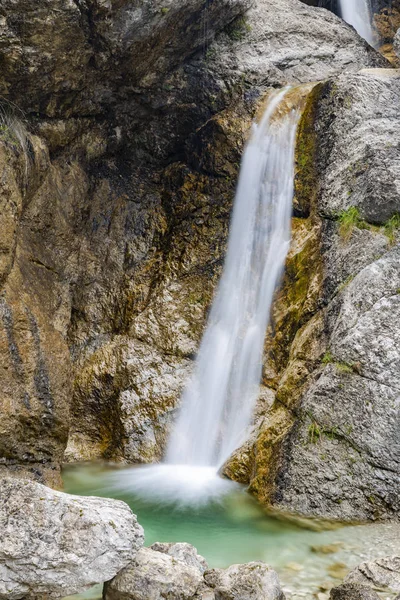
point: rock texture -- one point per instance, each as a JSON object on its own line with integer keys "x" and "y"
{"x": 329, "y": 444}
{"x": 381, "y": 574}
{"x": 175, "y": 571}
{"x": 253, "y": 581}
{"x": 53, "y": 544}
{"x": 353, "y": 592}
{"x": 114, "y": 216}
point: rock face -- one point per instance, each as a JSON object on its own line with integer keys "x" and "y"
{"x": 383, "y": 573}
{"x": 114, "y": 216}
{"x": 175, "y": 571}
{"x": 329, "y": 445}
{"x": 53, "y": 544}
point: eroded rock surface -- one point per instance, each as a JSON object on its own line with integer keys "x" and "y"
{"x": 54, "y": 544}
{"x": 329, "y": 444}
{"x": 167, "y": 571}
{"x": 383, "y": 573}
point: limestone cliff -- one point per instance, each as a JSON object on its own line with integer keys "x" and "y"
{"x": 123, "y": 129}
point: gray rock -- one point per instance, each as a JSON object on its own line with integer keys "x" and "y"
{"x": 358, "y": 156}
{"x": 251, "y": 581}
{"x": 396, "y": 43}
{"x": 53, "y": 544}
{"x": 353, "y": 592}
{"x": 155, "y": 576}
{"x": 183, "y": 552}
{"x": 382, "y": 574}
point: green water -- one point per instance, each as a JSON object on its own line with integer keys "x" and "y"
{"x": 237, "y": 530}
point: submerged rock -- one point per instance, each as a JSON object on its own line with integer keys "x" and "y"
{"x": 53, "y": 544}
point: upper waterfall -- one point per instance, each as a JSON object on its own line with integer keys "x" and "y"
{"x": 358, "y": 14}
{"x": 218, "y": 402}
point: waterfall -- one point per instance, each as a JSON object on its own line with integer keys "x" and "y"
{"x": 218, "y": 403}
{"x": 358, "y": 14}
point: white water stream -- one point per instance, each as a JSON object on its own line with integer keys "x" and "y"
{"x": 358, "y": 14}
{"x": 218, "y": 403}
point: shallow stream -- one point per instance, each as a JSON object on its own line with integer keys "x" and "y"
{"x": 235, "y": 529}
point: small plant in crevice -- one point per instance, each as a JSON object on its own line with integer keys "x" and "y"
{"x": 327, "y": 358}
{"x": 348, "y": 220}
{"x": 314, "y": 433}
{"x": 238, "y": 29}
{"x": 392, "y": 227}
{"x": 343, "y": 367}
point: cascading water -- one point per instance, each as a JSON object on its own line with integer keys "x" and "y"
{"x": 218, "y": 403}
{"x": 358, "y": 14}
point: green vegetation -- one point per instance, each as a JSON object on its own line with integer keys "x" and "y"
{"x": 392, "y": 227}
{"x": 329, "y": 359}
{"x": 314, "y": 433}
{"x": 351, "y": 218}
{"x": 348, "y": 220}
{"x": 238, "y": 30}
{"x": 164, "y": 10}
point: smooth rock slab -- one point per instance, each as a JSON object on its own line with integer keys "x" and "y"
{"x": 54, "y": 544}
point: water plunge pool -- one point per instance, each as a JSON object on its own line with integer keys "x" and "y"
{"x": 231, "y": 528}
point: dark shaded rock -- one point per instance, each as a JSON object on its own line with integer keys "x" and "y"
{"x": 353, "y": 592}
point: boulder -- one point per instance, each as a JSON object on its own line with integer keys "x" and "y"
{"x": 350, "y": 591}
{"x": 177, "y": 572}
{"x": 54, "y": 544}
{"x": 183, "y": 552}
{"x": 383, "y": 573}
{"x": 251, "y": 581}
{"x": 155, "y": 576}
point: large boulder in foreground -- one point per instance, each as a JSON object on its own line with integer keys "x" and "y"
{"x": 155, "y": 575}
{"x": 176, "y": 571}
{"x": 54, "y": 544}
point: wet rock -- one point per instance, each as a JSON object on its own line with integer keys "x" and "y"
{"x": 252, "y": 581}
{"x": 54, "y": 544}
{"x": 155, "y": 575}
{"x": 353, "y": 592}
{"x": 319, "y": 451}
{"x": 383, "y": 573}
